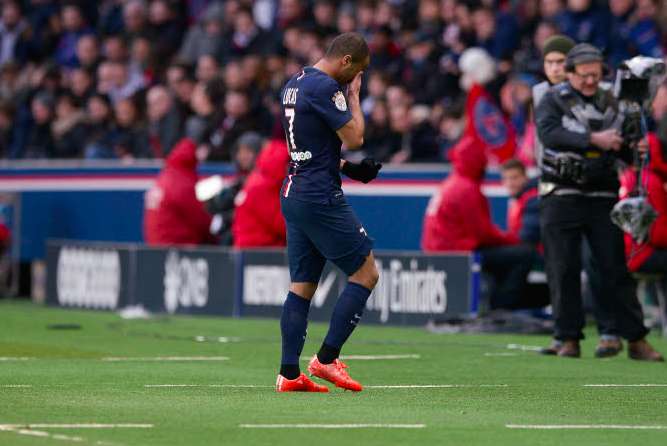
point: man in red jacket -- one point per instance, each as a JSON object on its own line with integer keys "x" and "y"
{"x": 458, "y": 219}
{"x": 651, "y": 256}
{"x": 173, "y": 215}
{"x": 257, "y": 219}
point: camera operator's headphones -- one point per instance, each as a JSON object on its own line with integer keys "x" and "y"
{"x": 584, "y": 53}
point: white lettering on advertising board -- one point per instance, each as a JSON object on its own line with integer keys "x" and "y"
{"x": 88, "y": 278}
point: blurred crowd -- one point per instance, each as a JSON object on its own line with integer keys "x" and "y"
{"x": 126, "y": 79}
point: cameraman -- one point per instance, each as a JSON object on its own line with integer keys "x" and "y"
{"x": 579, "y": 187}
{"x": 554, "y": 54}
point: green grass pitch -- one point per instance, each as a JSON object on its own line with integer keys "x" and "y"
{"x": 66, "y": 381}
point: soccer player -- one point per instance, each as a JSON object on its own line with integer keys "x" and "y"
{"x": 317, "y": 117}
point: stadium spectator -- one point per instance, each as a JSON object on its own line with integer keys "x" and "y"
{"x": 164, "y": 121}
{"x": 257, "y": 218}
{"x": 87, "y": 52}
{"x": 6, "y": 127}
{"x": 206, "y": 119}
{"x": 172, "y": 214}
{"x": 245, "y": 37}
{"x": 458, "y": 219}
{"x": 129, "y": 135}
{"x": 585, "y": 21}
{"x": 74, "y": 26}
{"x": 633, "y": 30}
{"x": 99, "y": 128}
{"x": 523, "y": 213}
{"x": 207, "y": 68}
{"x": 13, "y": 34}
{"x": 135, "y": 17}
{"x": 33, "y": 137}
{"x": 237, "y": 120}
{"x": 181, "y": 84}
{"x": 68, "y": 128}
{"x": 81, "y": 83}
{"x": 205, "y": 37}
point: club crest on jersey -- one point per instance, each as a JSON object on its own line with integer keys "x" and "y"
{"x": 339, "y": 100}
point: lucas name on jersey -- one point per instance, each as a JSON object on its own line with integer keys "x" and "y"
{"x": 289, "y": 96}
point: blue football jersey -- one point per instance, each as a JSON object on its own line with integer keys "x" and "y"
{"x": 314, "y": 107}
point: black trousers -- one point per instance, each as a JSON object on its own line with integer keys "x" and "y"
{"x": 565, "y": 222}
{"x": 509, "y": 266}
{"x": 603, "y": 316}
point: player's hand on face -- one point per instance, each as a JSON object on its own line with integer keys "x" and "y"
{"x": 355, "y": 86}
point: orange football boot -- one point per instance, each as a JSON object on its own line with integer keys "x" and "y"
{"x": 335, "y": 373}
{"x": 300, "y": 384}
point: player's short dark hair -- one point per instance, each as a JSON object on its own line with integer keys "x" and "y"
{"x": 512, "y": 164}
{"x": 353, "y": 44}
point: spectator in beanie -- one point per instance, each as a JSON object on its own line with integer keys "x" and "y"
{"x": 206, "y": 37}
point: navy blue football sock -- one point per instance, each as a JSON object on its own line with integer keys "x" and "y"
{"x": 346, "y": 315}
{"x": 293, "y": 324}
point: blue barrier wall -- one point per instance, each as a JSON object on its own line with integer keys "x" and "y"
{"x": 105, "y": 202}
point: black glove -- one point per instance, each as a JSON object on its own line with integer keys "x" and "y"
{"x": 365, "y": 171}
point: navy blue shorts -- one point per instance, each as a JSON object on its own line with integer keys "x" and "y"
{"x": 320, "y": 232}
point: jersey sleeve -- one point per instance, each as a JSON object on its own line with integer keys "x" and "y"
{"x": 330, "y": 104}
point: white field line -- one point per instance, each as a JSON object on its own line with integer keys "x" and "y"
{"x": 625, "y": 385}
{"x": 332, "y": 426}
{"x": 16, "y": 386}
{"x": 525, "y": 348}
{"x": 434, "y": 386}
{"x": 584, "y": 426}
{"x": 30, "y": 430}
{"x": 167, "y": 358}
{"x": 231, "y": 386}
{"x": 14, "y": 358}
{"x": 501, "y": 354}
{"x": 77, "y": 426}
{"x": 374, "y": 357}
{"x": 35, "y": 433}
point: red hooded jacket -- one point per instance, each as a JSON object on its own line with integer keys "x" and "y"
{"x": 458, "y": 216}
{"x": 488, "y": 127}
{"x": 257, "y": 219}
{"x": 172, "y": 213}
{"x": 655, "y": 179}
